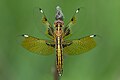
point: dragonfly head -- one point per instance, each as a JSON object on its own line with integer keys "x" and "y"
{"x": 59, "y": 18}
{"x": 59, "y": 15}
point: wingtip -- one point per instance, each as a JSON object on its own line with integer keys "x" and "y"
{"x": 93, "y": 35}
{"x": 77, "y": 10}
{"x": 41, "y": 10}
{"x": 25, "y": 35}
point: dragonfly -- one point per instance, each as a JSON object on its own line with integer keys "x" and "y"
{"x": 58, "y": 43}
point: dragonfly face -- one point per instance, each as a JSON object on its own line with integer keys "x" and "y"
{"x": 57, "y": 34}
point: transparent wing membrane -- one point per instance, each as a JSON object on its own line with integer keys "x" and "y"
{"x": 80, "y": 46}
{"x": 44, "y": 19}
{"x": 37, "y": 46}
{"x": 73, "y": 19}
{"x": 50, "y": 30}
{"x": 70, "y": 23}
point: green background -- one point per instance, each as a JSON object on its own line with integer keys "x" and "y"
{"x": 101, "y": 17}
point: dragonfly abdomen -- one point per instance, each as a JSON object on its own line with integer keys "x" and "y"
{"x": 59, "y": 56}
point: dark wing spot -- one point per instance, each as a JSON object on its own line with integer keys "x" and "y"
{"x": 72, "y": 19}
{"x": 50, "y": 44}
{"x": 65, "y": 44}
{"x": 66, "y": 31}
{"x": 50, "y": 31}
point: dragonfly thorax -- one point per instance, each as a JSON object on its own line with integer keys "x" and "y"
{"x": 58, "y": 24}
{"x": 58, "y": 31}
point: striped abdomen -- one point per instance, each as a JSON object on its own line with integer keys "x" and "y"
{"x": 59, "y": 55}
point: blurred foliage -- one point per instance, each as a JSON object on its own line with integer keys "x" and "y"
{"x": 100, "y": 17}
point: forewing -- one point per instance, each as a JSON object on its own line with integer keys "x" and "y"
{"x": 50, "y": 30}
{"x": 37, "y": 46}
{"x": 67, "y": 30}
{"x": 80, "y": 46}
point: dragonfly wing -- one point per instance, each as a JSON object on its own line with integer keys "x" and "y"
{"x": 50, "y": 30}
{"x": 79, "y": 46}
{"x": 67, "y": 30}
{"x": 37, "y": 46}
